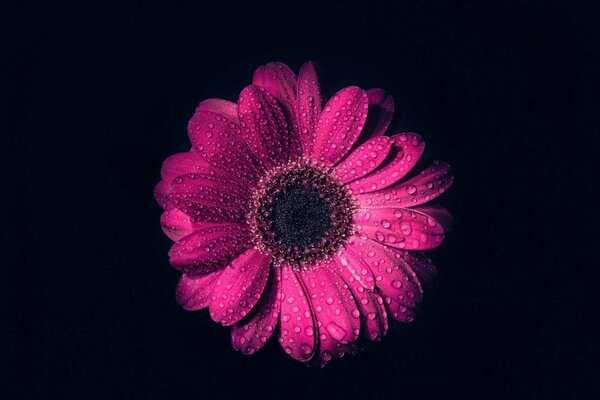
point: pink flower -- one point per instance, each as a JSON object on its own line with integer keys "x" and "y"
{"x": 298, "y": 219}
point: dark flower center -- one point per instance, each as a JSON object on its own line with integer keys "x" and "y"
{"x": 300, "y": 214}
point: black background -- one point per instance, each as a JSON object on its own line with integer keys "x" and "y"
{"x": 95, "y": 97}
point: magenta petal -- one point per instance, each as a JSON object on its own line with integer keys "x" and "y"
{"x": 421, "y": 265}
{"x": 209, "y": 248}
{"x": 239, "y": 287}
{"x": 176, "y": 224}
{"x": 297, "y": 335}
{"x": 399, "y": 227}
{"x": 222, "y": 107}
{"x": 429, "y": 184}
{"x": 250, "y": 336}
{"x": 370, "y": 304}
{"x": 265, "y": 127}
{"x": 340, "y": 124}
{"x": 338, "y": 318}
{"x": 391, "y": 277}
{"x": 408, "y": 148}
{"x": 357, "y": 267}
{"x": 194, "y": 291}
{"x": 364, "y": 159}
{"x": 309, "y": 106}
{"x": 217, "y": 139}
{"x": 438, "y": 213}
{"x": 381, "y": 111}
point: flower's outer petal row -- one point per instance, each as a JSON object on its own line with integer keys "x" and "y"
{"x": 381, "y": 111}
{"x": 338, "y": 318}
{"x": 439, "y": 213}
{"x": 209, "y": 248}
{"x": 218, "y": 139}
{"x": 280, "y": 82}
{"x": 309, "y": 106}
{"x": 298, "y": 333}
{"x": 239, "y": 287}
{"x": 222, "y": 107}
{"x": 249, "y": 336}
{"x": 265, "y": 127}
{"x": 371, "y": 306}
{"x": 176, "y": 224}
{"x": 399, "y": 227}
{"x": 364, "y": 159}
{"x": 429, "y": 184}
{"x": 421, "y": 264}
{"x": 406, "y": 151}
{"x": 194, "y": 291}
{"x": 202, "y": 199}
{"x": 401, "y": 291}
{"x": 340, "y": 124}
{"x": 358, "y": 267}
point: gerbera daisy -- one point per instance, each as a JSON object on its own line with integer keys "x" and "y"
{"x": 300, "y": 220}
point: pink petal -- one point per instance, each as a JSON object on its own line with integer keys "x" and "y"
{"x": 364, "y": 159}
{"x": 222, "y": 107}
{"x": 250, "y": 336}
{"x": 209, "y": 248}
{"x": 421, "y": 264}
{"x": 211, "y": 197}
{"x": 176, "y": 224}
{"x": 239, "y": 287}
{"x": 399, "y": 227}
{"x": 358, "y": 267}
{"x": 399, "y": 311}
{"x": 408, "y": 148}
{"x": 338, "y": 318}
{"x": 309, "y": 106}
{"x": 340, "y": 124}
{"x": 381, "y": 111}
{"x": 297, "y": 335}
{"x": 265, "y": 127}
{"x": 280, "y": 82}
{"x": 439, "y": 213}
{"x": 390, "y": 276}
{"x": 429, "y": 184}
{"x": 194, "y": 291}
{"x": 370, "y": 304}
{"x": 216, "y": 138}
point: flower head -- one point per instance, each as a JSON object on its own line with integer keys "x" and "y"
{"x": 301, "y": 220}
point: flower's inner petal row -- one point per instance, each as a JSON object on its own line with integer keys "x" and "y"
{"x": 280, "y": 82}
{"x": 249, "y": 336}
{"x": 340, "y": 124}
{"x": 429, "y": 184}
{"x": 194, "y": 292}
{"x": 222, "y": 107}
{"x": 176, "y": 224}
{"x": 217, "y": 139}
{"x": 209, "y": 248}
{"x": 338, "y": 318}
{"x": 364, "y": 159}
{"x": 298, "y": 333}
{"x": 309, "y": 106}
{"x": 396, "y": 286}
{"x": 371, "y": 307}
{"x": 399, "y": 227}
{"x": 265, "y": 127}
{"x": 381, "y": 111}
{"x": 407, "y": 150}
{"x": 239, "y": 287}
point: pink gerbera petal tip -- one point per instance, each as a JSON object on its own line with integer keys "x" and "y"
{"x": 297, "y": 217}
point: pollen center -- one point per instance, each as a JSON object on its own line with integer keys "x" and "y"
{"x": 300, "y": 214}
